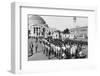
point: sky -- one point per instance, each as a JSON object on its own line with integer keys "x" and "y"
{"x": 61, "y": 22}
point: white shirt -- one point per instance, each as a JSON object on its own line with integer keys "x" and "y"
{"x": 63, "y": 48}
{"x": 73, "y": 49}
{"x": 67, "y": 46}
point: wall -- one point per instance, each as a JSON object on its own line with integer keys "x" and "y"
{"x": 5, "y": 33}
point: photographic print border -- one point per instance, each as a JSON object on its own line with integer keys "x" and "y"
{"x": 16, "y": 53}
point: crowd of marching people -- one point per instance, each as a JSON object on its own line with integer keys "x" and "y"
{"x": 56, "y": 48}
{"x": 64, "y": 50}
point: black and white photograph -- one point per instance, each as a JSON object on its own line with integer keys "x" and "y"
{"x": 57, "y": 37}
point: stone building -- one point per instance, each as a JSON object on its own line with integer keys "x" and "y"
{"x": 65, "y": 36}
{"x": 80, "y": 32}
{"x": 37, "y": 26}
{"x": 56, "y": 34}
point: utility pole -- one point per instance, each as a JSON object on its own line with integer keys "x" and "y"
{"x": 74, "y": 20}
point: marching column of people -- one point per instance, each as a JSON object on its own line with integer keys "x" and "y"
{"x": 66, "y": 51}
{"x": 58, "y": 49}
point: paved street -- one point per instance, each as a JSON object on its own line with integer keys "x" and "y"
{"x": 38, "y": 56}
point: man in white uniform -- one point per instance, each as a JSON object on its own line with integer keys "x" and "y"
{"x": 73, "y": 50}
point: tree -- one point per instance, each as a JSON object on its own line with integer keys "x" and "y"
{"x": 66, "y": 31}
{"x": 29, "y": 33}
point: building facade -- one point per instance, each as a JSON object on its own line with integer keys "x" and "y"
{"x": 37, "y": 26}
{"x": 80, "y": 32}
